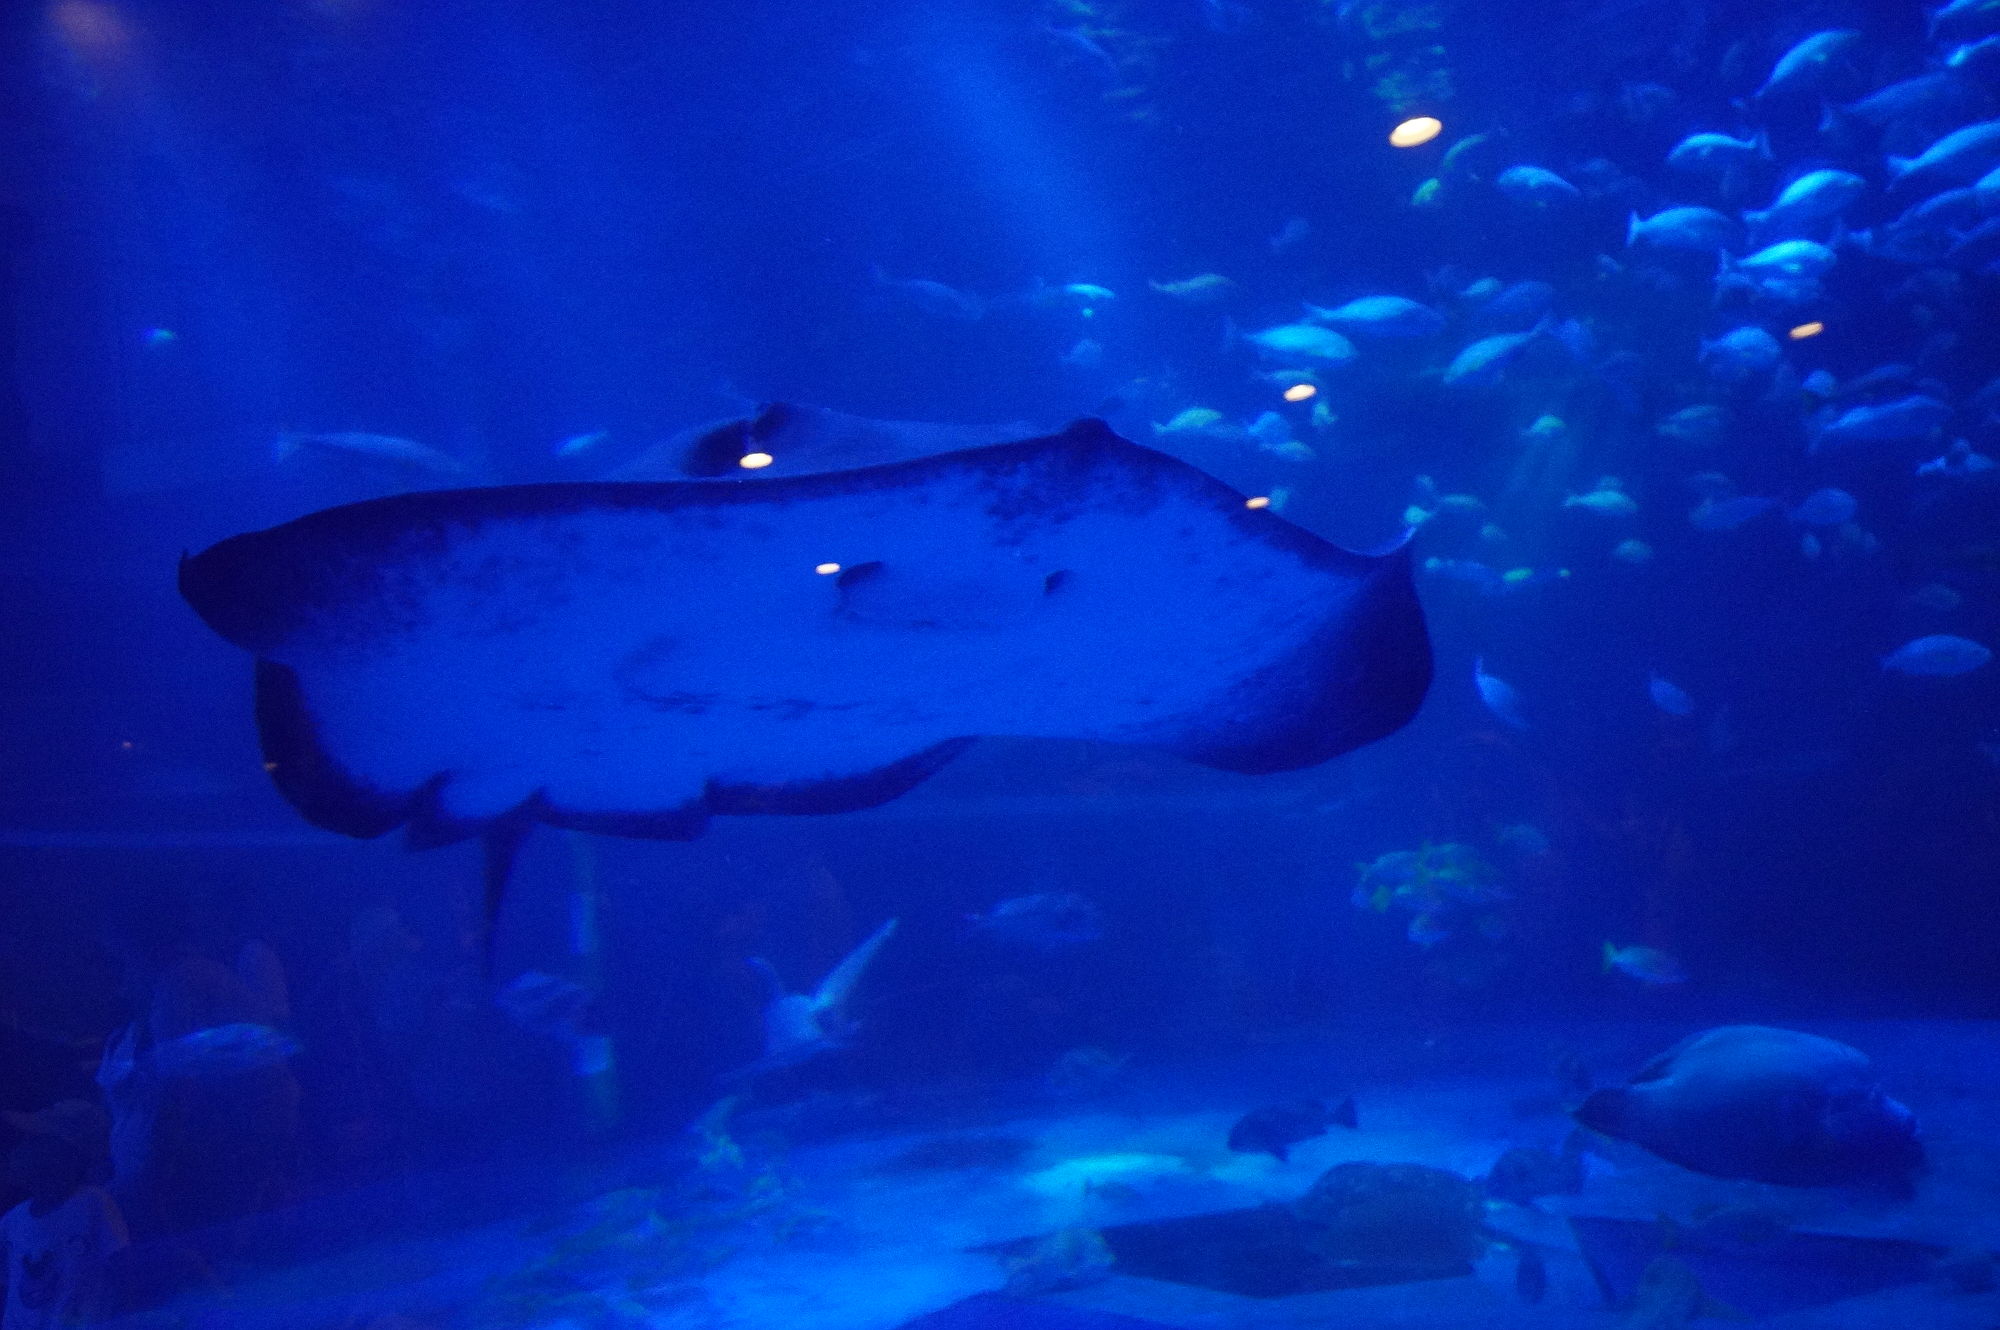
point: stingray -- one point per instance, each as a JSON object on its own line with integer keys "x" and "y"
{"x": 633, "y": 658}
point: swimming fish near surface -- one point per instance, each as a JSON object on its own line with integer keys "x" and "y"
{"x": 635, "y": 658}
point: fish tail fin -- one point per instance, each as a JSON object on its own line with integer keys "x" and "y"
{"x": 1762, "y": 143}
{"x": 1343, "y": 1115}
{"x": 1231, "y": 334}
{"x": 833, "y": 989}
{"x": 1610, "y": 956}
{"x": 1632, "y": 228}
{"x": 1899, "y": 167}
{"x": 286, "y": 445}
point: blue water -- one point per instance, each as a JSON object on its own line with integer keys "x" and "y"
{"x": 526, "y": 243}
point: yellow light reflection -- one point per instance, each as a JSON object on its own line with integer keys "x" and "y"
{"x": 1415, "y": 132}
{"x": 755, "y": 461}
{"x": 1805, "y": 330}
{"x": 1259, "y": 501}
{"x": 1299, "y": 392}
{"x": 826, "y": 569}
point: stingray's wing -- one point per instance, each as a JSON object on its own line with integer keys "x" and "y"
{"x": 796, "y": 440}
{"x": 839, "y": 982}
{"x": 634, "y": 658}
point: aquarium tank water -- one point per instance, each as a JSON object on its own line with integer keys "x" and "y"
{"x": 999, "y": 665}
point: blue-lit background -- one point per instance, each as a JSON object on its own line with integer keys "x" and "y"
{"x": 495, "y": 227}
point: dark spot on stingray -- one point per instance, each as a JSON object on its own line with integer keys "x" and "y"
{"x": 951, "y": 1153}
{"x": 1055, "y": 581}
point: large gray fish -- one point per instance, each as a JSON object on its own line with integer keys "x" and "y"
{"x": 633, "y": 658}
{"x": 1748, "y": 1101}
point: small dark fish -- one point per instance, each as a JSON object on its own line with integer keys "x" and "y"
{"x": 1276, "y": 1128}
{"x": 1531, "y": 1275}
